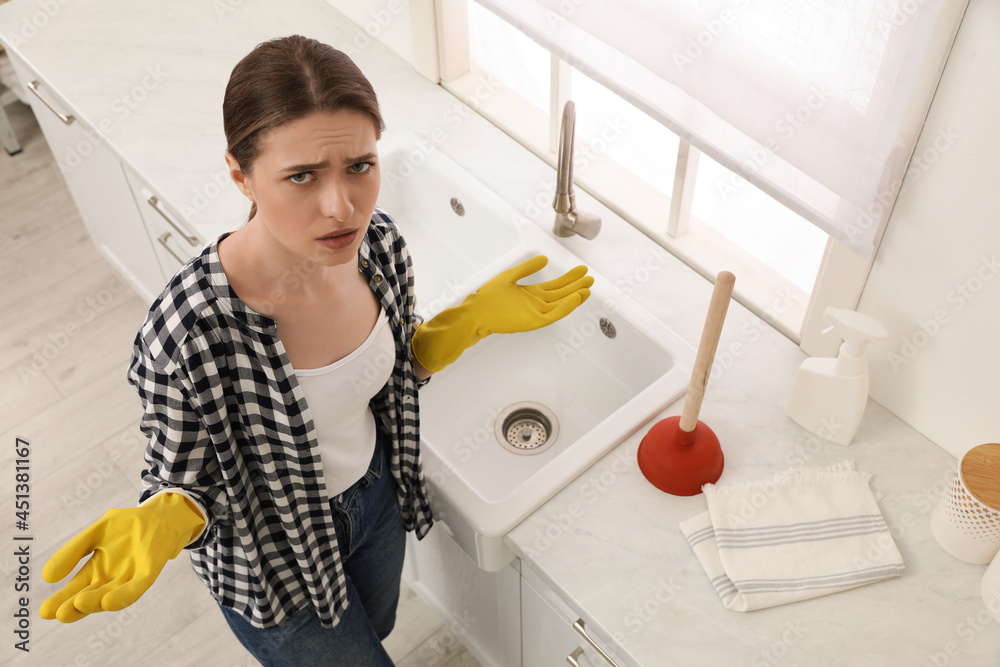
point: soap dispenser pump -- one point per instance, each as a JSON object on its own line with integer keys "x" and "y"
{"x": 830, "y": 394}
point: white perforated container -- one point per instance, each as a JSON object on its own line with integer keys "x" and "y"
{"x": 964, "y": 527}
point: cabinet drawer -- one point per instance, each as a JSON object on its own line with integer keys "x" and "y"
{"x": 549, "y": 630}
{"x": 173, "y": 240}
{"x": 546, "y": 638}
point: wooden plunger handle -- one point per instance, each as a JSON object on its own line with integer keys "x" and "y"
{"x": 706, "y": 349}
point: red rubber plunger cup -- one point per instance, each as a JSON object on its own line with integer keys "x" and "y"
{"x": 681, "y": 454}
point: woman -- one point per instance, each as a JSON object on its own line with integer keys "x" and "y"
{"x": 275, "y": 458}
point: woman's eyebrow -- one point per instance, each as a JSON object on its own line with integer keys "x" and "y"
{"x": 299, "y": 168}
{"x": 362, "y": 158}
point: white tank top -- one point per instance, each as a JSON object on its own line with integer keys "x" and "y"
{"x": 338, "y": 397}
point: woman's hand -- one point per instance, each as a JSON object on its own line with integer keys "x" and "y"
{"x": 500, "y": 306}
{"x": 130, "y": 548}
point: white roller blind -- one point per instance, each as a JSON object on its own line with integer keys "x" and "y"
{"x": 817, "y": 103}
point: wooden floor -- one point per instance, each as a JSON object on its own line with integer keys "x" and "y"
{"x": 65, "y": 341}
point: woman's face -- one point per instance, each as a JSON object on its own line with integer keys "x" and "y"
{"x": 315, "y": 183}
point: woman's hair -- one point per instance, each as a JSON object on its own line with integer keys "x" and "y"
{"x": 285, "y": 79}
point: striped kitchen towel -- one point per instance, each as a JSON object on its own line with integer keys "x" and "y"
{"x": 796, "y": 536}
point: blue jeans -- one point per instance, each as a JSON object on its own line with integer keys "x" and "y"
{"x": 372, "y": 543}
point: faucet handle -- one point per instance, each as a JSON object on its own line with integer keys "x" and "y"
{"x": 586, "y": 224}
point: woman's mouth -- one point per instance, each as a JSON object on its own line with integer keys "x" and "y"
{"x": 340, "y": 239}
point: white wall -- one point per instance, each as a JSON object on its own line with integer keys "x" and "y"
{"x": 936, "y": 278}
{"x": 388, "y": 21}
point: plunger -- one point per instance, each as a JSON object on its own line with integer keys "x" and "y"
{"x": 680, "y": 454}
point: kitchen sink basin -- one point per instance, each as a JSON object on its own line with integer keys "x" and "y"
{"x": 452, "y": 226}
{"x": 519, "y": 416}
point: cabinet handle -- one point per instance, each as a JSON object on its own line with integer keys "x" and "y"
{"x": 582, "y": 631}
{"x": 33, "y": 87}
{"x": 153, "y": 201}
{"x": 162, "y": 238}
{"x": 572, "y": 657}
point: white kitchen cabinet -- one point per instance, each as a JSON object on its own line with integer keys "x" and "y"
{"x": 545, "y": 635}
{"x": 99, "y": 187}
{"x": 173, "y": 240}
{"x": 481, "y": 609}
{"x": 548, "y": 635}
{"x": 509, "y": 618}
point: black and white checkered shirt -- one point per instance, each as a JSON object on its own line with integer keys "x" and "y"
{"x": 225, "y": 422}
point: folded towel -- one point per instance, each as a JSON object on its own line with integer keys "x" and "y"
{"x": 796, "y": 536}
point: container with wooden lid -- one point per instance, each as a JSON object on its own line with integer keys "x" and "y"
{"x": 966, "y": 523}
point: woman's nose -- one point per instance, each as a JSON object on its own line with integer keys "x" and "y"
{"x": 336, "y": 201}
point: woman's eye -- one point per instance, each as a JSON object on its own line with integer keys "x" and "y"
{"x": 360, "y": 167}
{"x": 301, "y": 179}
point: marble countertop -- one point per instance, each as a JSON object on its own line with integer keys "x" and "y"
{"x": 609, "y": 543}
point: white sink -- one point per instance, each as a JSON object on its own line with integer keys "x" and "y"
{"x": 594, "y": 389}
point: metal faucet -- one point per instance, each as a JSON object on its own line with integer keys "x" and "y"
{"x": 569, "y": 221}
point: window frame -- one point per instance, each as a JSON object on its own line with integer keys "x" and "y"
{"x": 442, "y": 54}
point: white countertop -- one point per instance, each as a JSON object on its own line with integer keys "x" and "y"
{"x": 609, "y": 542}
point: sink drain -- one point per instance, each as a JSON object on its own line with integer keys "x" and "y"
{"x": 527, "y": 428}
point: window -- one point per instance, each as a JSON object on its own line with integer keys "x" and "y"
{"x": 772, "y": 233}
{"x": 628, "y": 160}
{"x": 636, "y": 142}
{"x": 508, "y": 55}
{"x": 783, "y": 212}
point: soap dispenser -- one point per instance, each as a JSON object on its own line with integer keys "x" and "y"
{"x": 830, "y": 394}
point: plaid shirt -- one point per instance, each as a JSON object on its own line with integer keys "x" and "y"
{"x": 225, "y": 422}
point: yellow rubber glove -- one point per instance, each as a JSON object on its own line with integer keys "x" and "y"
{"x": 500, "y": 306}
{"x": 130, "y": 548}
